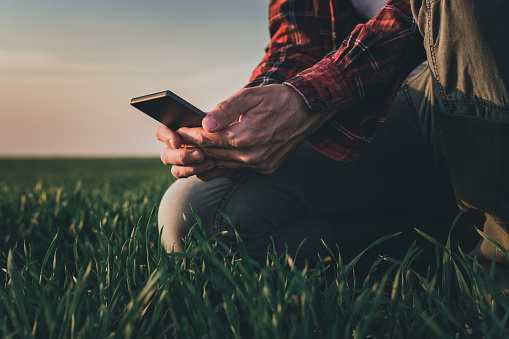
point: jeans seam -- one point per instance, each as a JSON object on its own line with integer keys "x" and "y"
{"x": 434, "y": 63}
{"x": 218, "y": 218}
{"x": 480, "y": 102}
{"x": 414, "y": 113}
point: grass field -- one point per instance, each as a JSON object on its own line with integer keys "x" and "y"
{"x": 80, "y": 258}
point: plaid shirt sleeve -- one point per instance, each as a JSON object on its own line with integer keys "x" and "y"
{"x": 359, "y": 79}
{"x": 302, "y": 33}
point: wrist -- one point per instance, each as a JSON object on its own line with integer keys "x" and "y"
{"x": 297, "y": 94}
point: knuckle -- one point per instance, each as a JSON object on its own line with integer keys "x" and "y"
{"x": 200, "y": 140}
{"x": 266, "y": 168}
{"x": 240, "y": 143}
{"x": 175, "y": 171}
{"x": 181, "y": 157}
{"x": 255, "y": 159}
{"x": 260, "y": 157}
{"x": 223, "y": 105}
{"x": 164, "y": 159}
{"x": 249, "y": 161}
{"x": 246, "y": 141}
{"x": 160, "y": 132}
{"x": 270, "y": 169}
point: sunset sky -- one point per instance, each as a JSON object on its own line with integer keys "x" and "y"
{"x": 68, "y": 69}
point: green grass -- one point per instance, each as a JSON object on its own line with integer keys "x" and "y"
{"x": 80, "y": 257}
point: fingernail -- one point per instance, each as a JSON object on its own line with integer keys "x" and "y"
{"x": 210, "y": 123}
{"x": 170, "y": 142}
{"x": 197, "y": 156}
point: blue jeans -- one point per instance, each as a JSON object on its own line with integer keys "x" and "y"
{"x": 400, "y": 182}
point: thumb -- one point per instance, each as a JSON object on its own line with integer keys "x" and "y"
{"x": 228, "y": 111}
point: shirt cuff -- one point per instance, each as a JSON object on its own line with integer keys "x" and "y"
{"x": 322, "y": 88}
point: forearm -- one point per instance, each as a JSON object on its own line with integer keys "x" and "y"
{"x": 371, "y": 62}
{"x": 360, "y": 80}
{"x": 302, "y": 33}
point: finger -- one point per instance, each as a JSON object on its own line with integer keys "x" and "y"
{"x": 264, "y": 162}
{"x": 226, "y": 155}
{"x": 230, "y": 110}
{"x": 187, "y": 171}
{"x": 201, "y": 137}
{"x": 250, "y": 156}
{"x": 263, "y": 168}
{"x": 213, "y": 173}
{"x": 168, "y": 136}
{"x": 228, "y": 164}
{"x": 182, "y": 156}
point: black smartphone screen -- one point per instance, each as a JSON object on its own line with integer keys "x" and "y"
{"x": 169, "y": 109}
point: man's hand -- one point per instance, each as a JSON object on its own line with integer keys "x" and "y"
{"x": 185, "y": 160}
{"x": 257, "y": 128}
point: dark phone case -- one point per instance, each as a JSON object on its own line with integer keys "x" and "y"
{"x": 169, "y": 109}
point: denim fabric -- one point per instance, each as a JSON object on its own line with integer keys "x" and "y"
{"x": 395, "y": 186}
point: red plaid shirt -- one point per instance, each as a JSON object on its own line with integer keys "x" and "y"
{"x": 359, "y": 78}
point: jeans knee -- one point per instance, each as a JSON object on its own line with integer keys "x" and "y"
{"x": 174, "y": 210}
{"x": 184, "y": 203}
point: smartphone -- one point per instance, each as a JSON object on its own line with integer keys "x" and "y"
{"x": 169, "y": 109}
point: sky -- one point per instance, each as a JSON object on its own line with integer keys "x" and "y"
{"x": 68, "y": 69}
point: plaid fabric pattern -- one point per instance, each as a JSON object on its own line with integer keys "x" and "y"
{"x": 359, "y": 79}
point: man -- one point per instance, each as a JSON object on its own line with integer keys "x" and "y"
{"x": 352, "y": 185}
